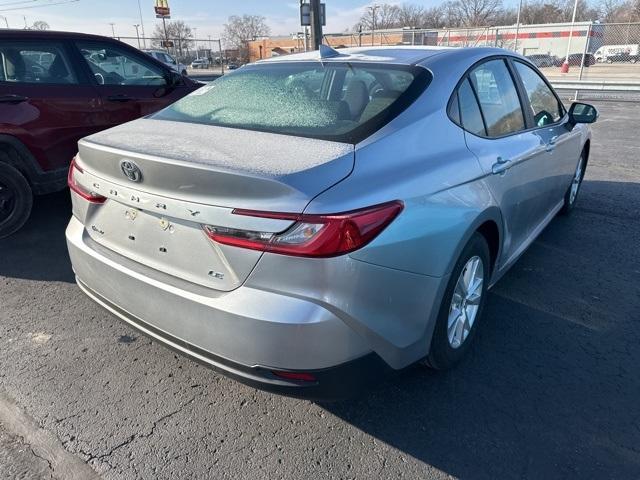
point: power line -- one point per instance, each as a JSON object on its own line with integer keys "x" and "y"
{"x": 38, "y": 6}
{"x": 17, "y": 3}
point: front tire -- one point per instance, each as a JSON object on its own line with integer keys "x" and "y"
{"x": 16, "y": 200}
{"x": 571, "y": 196}
{"x": 462, "y": 305}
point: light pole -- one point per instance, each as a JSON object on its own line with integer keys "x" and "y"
{"x": 195, "y": 40}
{"x": 5, "y": 20}
{"x": 113, "y": 30}
{"x": 515, "y": 48}
{"x": 373, "y": 9}
{"x": 137, "y": 34}
{"x": 144, "y": 40}
{"x": 565, "y": 65}
{"x": 221, "y": 55}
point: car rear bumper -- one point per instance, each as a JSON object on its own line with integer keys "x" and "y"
{"x": 245, "y": 333}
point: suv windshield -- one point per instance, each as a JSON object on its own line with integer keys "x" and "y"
{"x": 343, "y": 102}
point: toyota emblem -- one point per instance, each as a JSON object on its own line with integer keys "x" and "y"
{"x": 131, "y": 170}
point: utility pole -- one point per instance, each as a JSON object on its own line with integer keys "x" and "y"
{"x": 221, "y": 55}
{"x": 137, "y": 34}
{"x": 166, "y": 38}
{"x": 5, "y": 20}
{"x": 373, "y": 9}
{"x": 316, "y": 24}
{"x": 113, "y": 30}
{"x": 144, "y": 40}
{"x": 515, "y": 48}
{"x": 195, "y": 40}
{"x": 565, "y": 65}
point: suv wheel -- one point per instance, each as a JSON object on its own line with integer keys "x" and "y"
{"x": 461, "y": 307}
{"x": 16, "y": 200}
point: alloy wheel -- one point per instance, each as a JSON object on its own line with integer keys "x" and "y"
{"x": 575, "y": 183}
{"x": 7, "y": 202}
{"x": 465, "y": 302}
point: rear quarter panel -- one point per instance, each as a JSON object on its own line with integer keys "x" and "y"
{"x": 420, "y": 158}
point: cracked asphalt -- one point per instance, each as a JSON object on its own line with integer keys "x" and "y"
{"x": 550, "y": 390}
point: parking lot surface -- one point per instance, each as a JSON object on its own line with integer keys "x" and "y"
{"x": 550, "y": 389}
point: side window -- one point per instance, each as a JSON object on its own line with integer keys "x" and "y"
{"x": 545, "y": 105}
{"x": 498, "y": 98}
{"x": 31, "y": 62}
{"x": 111, "y": 65}
{"x": 470, "y": 115}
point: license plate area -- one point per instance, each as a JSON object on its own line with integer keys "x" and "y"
{"x": 173, "y": 246}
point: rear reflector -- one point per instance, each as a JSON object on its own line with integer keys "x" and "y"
{"x": 298, "y": 376}
{"x": 73, "y": 185}
{"x": 312, "y": 235}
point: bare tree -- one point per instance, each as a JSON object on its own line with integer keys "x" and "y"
{"x": 177, "y": 31}
{"x": 475, "y": 13}
{"x": 433, "y": 17}
{"x": 610, "y": 10}
{"x": 238, "y": 31}
{"x": 410, "y": 15}
{"x": 379, "y": 17}
{"x": 39, "y": 25}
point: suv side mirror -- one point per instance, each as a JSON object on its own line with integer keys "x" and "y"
{"x": 582, "y": 113}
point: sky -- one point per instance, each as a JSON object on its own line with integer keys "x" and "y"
{"x": 208, "y": 16}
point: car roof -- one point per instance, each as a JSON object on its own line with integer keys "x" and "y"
{"x": 50, "y": 35}
{"x": 403, "y": 55}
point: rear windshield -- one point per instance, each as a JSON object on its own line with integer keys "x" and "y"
{"x": 338, "y": 101}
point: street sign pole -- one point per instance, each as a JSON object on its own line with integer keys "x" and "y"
{"x": 316, "y": 24}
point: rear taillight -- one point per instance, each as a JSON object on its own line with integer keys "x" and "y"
{"x": 83, "y": 192}
{"x": 312, "y": 235}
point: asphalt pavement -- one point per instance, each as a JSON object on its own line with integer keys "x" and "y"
{"x": 551, "y": 389}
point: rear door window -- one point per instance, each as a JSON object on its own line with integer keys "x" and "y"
{"x": 470, "y": 114}
{"x": 35, "y": 63}
{"x": 498, "y": 98}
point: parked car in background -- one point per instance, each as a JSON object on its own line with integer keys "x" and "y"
{"x": 542, "y": 60}
{"x": 200, "y": 63}
{"x": 167, "y": 59}
{"x": 575, "y": 59}
{"x": 232, "y": 66}
{"x": 57, "y": 87}
{"x": 352, "y": 227}
{"x": 603, "y": 53}
{"x": 622, "y": 58}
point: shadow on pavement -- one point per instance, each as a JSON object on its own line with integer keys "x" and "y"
{"x": 39, "y": 250}
{"x": 551, "y": 388}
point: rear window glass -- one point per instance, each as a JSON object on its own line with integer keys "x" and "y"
{"x": 335, "y": 101}
{"x": 35, "y": 62}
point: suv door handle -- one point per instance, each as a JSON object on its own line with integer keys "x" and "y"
{"x": 13, "y": 99}
{"x": 501, "y": 166}
{"x": 120, "y": 98}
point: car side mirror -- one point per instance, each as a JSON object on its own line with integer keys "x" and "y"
{"x": 582, "y": 113}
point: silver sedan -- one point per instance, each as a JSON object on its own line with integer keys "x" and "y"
{"x": 309, "y": 222}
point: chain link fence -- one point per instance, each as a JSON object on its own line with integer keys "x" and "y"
{"x": 207, "y": 51}
{"x": 607, "y": 54}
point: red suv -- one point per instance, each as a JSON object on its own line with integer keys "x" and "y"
{"x": 57, "y": 87}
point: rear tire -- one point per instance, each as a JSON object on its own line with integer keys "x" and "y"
{"x": 16, "y": 200}
{"x": 571, "y": 196}
{"x": 449, "y": 343}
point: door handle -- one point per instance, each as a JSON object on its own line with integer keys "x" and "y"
{"x": 552, "y": 144}
{"x": 501, "y": 166}
{"x": 120, "y": 98}
{"x": 13, "y": 99}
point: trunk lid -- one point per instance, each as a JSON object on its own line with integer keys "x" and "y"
{"x": 193, "y": 175}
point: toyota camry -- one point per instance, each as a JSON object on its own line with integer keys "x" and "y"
{"x": 310, "y": 222}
